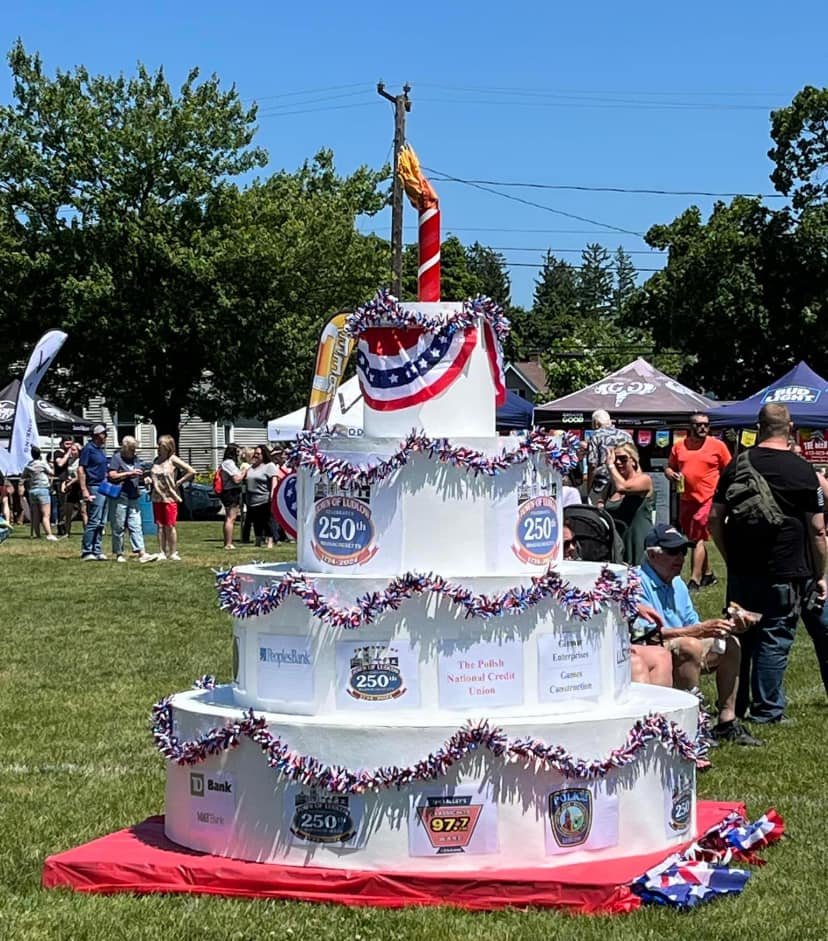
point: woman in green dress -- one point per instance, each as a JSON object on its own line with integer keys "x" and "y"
{"x": 631, "y": 503}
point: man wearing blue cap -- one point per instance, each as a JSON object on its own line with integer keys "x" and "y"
{"x": 697, "y": 646}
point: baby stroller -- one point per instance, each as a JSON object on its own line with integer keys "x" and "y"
{"x": 595, "y": 533}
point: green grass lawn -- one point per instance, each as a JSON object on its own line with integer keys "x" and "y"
{"x": 88, "y": 647}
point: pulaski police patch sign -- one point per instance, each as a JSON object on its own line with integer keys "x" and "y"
{"x": 581, "y": 818}
{"x": 570, "y": 815}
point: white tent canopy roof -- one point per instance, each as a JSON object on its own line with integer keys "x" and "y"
{"x": 347, "y": 411}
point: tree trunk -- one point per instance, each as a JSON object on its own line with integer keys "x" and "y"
{"x": 167, "y": 420}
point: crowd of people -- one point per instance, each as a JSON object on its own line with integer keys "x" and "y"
{"x": 765, "y": 510}
{"x": 107, "y": 490}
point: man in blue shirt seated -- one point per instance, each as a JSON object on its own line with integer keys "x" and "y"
{"x": 697, "y": 646}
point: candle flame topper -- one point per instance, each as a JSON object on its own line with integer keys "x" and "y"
{"x": 423, "y": 198}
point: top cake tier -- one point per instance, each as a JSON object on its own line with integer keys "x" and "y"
{"x": 429, "y": 366}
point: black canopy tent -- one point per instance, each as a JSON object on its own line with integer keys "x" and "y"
{"x": 638, "y": 395}
{"x": 51, "y": 419}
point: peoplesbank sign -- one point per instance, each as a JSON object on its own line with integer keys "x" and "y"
{"x": 787, "y": 395}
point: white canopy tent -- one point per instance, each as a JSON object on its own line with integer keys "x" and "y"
{"x": 346, "y": 412}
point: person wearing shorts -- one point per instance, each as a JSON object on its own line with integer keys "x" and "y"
{"x": 696, "y": 646}
{"x": 167, "y": 474}
{"x": 39, "y": 476}
{"x": 695, "y": 465}
{"x": 232, "y": 478}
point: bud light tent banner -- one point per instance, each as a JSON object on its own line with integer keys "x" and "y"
{"x": 803, "y": 391}
{"x": 637, "y": 395}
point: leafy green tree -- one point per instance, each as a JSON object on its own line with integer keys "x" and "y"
{"x": 800, "y": 133}
{"x": 730, "y": 298}
{"x": 457, "y": 281}
{"x": 119, "y": 222}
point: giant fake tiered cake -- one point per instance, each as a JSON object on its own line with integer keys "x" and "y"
{"x": 432, "y": 688}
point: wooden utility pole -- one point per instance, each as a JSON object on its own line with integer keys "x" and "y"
{"x": 401, "y": 105}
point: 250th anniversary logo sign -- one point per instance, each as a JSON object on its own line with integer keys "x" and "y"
{"x": 320, "y": 817}
{"x": 376, "y": 674}
{"x": 343, "y": 531}
{"x": 536, "y": 533}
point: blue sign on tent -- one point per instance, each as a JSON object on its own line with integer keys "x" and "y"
{"x": 801, "y": 389}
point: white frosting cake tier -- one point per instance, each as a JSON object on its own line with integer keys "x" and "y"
{"x": 466, "y": 407}
{"x": 486, "y": 812}
{"x": 429, "y": 516}
{"x": 427, "y": 658}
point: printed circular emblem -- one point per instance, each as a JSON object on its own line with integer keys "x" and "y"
{"x": 322, "y": 818}
{"x": 536, "y": 535}
{"x": 6, "y": 410}
{"x": 52, "y": 411}
{"x": 375, "y": 674}
{"x": 284, "y": 504}
{"x": 570, "y": 815}
{"x": 343, "y": 531}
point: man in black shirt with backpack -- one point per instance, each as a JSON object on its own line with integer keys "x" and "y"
{"x": 767, "y": 522}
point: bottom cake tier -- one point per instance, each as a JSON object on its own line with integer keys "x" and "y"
{"x": 544, "y": 790}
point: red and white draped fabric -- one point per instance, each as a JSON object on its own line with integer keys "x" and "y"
{"x": 495, "y": 353}
{"x": 399, "y": 367}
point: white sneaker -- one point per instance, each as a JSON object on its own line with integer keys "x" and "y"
{"x": 89, "y": 557}
{"x": 101, "y": 557}
{"x": 175, "y": 557}
{"x": 146, "y": 557}
{"x": 120, "y": 558}
{"x": 51, "y": 538}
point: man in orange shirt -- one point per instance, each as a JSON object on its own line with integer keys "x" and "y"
{"x": 695, "y": 465}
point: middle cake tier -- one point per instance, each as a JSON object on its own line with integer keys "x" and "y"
{"x": 311, "y": 644}
{"x": 380, "y": 506}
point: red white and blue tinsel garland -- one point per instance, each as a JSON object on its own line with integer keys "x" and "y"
{"x": 384, "y": 310}
{"x": 578, "y": 604}
{"x": 560, "y": 452}
{"x": 469, "y": 738}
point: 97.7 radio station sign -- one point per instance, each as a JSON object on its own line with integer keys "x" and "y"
{"x": 343, "y": 531}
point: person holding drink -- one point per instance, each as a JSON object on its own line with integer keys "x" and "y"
{"x": 694, "y": 466}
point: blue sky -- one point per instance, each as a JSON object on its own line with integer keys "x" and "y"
{"x": 636, "y": 96}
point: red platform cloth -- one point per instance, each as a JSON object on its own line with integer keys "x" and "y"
{"x": 142, "y": 859}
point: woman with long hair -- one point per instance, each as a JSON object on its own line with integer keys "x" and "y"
{"x": 232, "y": 478}
{"x": 167, "y": 474}
{"x": 260, "y": 483}
{"x": 631, "y": 502}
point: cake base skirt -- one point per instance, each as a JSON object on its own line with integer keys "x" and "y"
{"x": 141, "y": 859}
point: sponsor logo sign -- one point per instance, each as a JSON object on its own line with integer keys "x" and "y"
{"x": 343, "y": 531}
{"x": 322, "y": 817}
{"x": 6, "y": 410}
{"x": 480, "y": 674}
{"x": 212, "y": 800}
{"x": 814, "y": 446}
{"x": 570, "y": 815}
{"x": 622, "y": 389}
{"x": 285, "y": 668}
{"x": 798, "y": 395}
{"x": 449, "y": 822}
{"x": 568, "y": 666}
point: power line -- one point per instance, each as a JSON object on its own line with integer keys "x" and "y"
{"x": 528, "y": 202}
{"x": 616, "y": 189}
{"x": 520, "y": 248}
{"x": 534, "y": 91}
